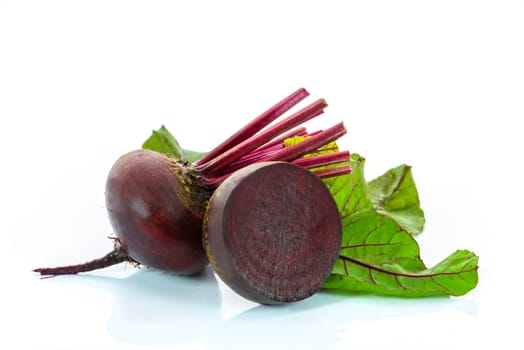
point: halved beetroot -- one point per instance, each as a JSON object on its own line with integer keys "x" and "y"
{"x": 272, "y": 232}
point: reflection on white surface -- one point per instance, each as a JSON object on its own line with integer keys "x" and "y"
{"x": 152, "y": 309}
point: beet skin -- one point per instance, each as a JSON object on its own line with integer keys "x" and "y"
{"x": 150, "y": 213}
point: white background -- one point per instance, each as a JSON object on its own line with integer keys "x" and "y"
{"x": 435, "y": 84}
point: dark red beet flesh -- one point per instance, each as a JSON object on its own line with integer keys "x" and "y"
{"x": 150, "y": 212}
{"x": 272, "y": 231}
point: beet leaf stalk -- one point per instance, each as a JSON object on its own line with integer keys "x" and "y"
{"x": 156, "y": 203}
{"x": 257, "y": 124}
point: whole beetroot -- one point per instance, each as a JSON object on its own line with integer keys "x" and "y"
{"x": 153, "y": 212}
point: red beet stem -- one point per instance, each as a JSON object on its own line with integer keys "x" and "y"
{"x": 309, "y": 145}
{"x": 291, "y": 153}
{"x": 214, "y": 182}
{"x": 295, "y": 132}
{"x": 315, "y": 132}
{"x": 324, "y": 159}
{"x": 256, "y": 124}
{"x": 267, "y": 149}
{"x": 260, "y": 152}
{"x": 251, "y": 158}
{"x": 332, "y": 172}
{"x": 116, "y": 256}
{"x": 214, "y": 166}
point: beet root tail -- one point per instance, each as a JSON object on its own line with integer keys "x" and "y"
{"x": 116, "y": 256}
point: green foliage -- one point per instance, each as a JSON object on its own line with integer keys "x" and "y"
{"x": 395, "y": 195}
{"x": 379, "y": 253}
{"x": 163, "y": 141}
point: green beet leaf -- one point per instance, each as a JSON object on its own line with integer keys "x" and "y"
{"x": 379, "y": 253}
{"x": 193, "y": 156}
{"x": 379, "y": 240}
{"x": 380, "y": 257}
{"x": 350, "y": 191}
{"x": 395, "y": 195}
{"x": 163, "y": 141}
{"x": 392, "y": 194}
{"x": 456, "y": 275}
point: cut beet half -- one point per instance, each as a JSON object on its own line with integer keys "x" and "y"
{"x": 272, "y": 232}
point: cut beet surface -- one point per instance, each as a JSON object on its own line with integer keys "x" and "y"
{"x": 272, "y": 231}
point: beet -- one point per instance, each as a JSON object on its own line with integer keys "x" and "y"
{"x": 153, "y": 216}
{"x": 156, "y": 203}
{"x": 272, "y": 232}
{"x": 152, "y": 213}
